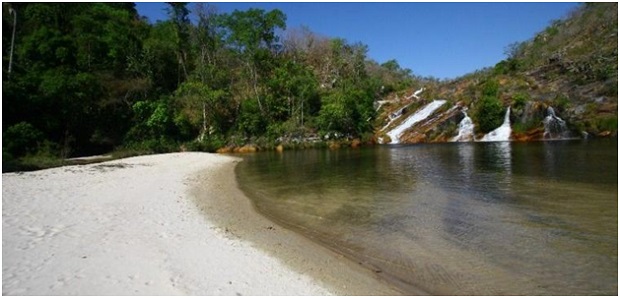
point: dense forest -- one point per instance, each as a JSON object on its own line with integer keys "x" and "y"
{"x": 88, "y": 78}
{"x": 92, "y": 78}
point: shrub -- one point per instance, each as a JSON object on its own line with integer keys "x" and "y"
{"x": 209, "y": 144}
{"x": 608, "y": 123}
{"x": 490, "y": 114}
{"x": 490, "y": 88}
{"x": 336, "y": 115}
{"x": 21, "y": 139}
{"x": 520, "y": 99}
{"x": 507, "y": 66}
{"x": 251, "y": 121}
{"x": 560, "y": 102}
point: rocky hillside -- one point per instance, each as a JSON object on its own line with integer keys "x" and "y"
{"x": 562, "y": 83}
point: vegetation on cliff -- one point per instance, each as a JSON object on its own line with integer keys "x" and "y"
{"x": 571, "y": 66}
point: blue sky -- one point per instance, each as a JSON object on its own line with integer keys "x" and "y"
{"x": 444, "y": 40}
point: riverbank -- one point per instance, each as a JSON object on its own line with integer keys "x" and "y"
{"x": 173, "y": 224}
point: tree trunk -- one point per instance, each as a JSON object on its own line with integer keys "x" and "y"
{"x": 204, "y": 121}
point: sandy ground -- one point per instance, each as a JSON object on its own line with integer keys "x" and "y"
{"x": 173, "y": 224}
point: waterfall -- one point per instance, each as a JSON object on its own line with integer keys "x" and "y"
{"x": 466, "y": 130}
{"x": 418, "y": 116}
{"x": 501, "y": 133}
{"x": 416, "y": 93}
{"x": 555, "y": 127}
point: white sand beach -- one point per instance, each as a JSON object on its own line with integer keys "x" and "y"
{"x": 171, "y": 224}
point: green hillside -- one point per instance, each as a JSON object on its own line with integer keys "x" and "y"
{"x": 571, "y": 66}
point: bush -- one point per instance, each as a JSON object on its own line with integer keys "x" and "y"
{"x": 490, "y": 114}
{"x": 607, "y": 124}
{"x": 520, "y": 127}
{"x": 209, "y": 144}
{"x": 21, "y": 139}
{"x": 560, "y": 102}
{"x": 150, "y": 146}
{"x": 153, "y": 120}
{"x": 519, "y": 100}
{"x": 336, "y": 115}
{"x": 250, "y": 120}
{"x": 490, "y": 88}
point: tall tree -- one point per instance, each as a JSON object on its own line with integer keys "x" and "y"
{"x": 179, "y": 15}
{"x": 252, "y": 34}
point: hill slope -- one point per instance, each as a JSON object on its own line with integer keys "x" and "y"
{"x": 570, "y": 67}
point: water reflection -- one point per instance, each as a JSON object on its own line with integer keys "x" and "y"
{"x": 468, "y": 218}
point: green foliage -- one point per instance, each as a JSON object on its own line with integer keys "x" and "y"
{"x": 347, "y": 111}
{"x": 508, "y": 66}
{"x": 253, "y": 29}
{"x": 489, "y": 114}
{"x": 336, "y": 114}
{"x": 519, "y": 127}
{"x": 490, "y": 88}
{"x": 20, "y": 139}
{"x": 391, "y": 65}
{"x": 153, "y": 124}
{"x": 209, "y": 144}
{"x": 561, "y": 102}
{"x": 607, "y": 123}
{"x": 91, "y": 77}
{"x": 520, "y": 99}
{"x": 95, "y": 76}
{"x": 250, "y": 120}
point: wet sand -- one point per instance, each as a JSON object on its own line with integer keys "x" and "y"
{"x": 229, "y": 207}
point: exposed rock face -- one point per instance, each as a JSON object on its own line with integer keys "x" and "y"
{"x": 533, "y": 112}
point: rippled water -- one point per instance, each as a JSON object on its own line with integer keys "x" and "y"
{"x": 466, "y": 218}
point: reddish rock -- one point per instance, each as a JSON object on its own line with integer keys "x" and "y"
{"x": 224, "y": 150}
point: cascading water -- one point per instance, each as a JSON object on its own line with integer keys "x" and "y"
{"x": 501, "y": 133}
{"x": 416, "y": 93}
{"x": 418, "y": 116}
{"x": 466, "y": 130}
{"x": 555, "y": 127}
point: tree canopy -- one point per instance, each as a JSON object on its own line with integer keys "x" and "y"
{"x": 88, "y": 78}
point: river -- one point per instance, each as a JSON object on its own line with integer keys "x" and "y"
{"x": 500, "y": 218}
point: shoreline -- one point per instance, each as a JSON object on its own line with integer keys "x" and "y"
{"x": 235, "y": 212}
{"x": 134, "y": 226}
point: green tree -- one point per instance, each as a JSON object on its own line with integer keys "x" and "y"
{"x": 179, "y": 16}
{"x": 252, "y": 34}
{"x": 490, "y": 114}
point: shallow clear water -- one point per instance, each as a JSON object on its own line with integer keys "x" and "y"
{"x": 457, "y": 218}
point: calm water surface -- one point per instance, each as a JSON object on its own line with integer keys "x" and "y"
{"x": 469, "y": 218}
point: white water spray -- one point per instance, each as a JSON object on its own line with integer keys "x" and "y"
{"x": 555, "y": 127}
{"x": 466, "y": 130}
{"x": 501, "y": 133}
{"x": 418, "y": 116}
{"x": 416, "y": 93}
